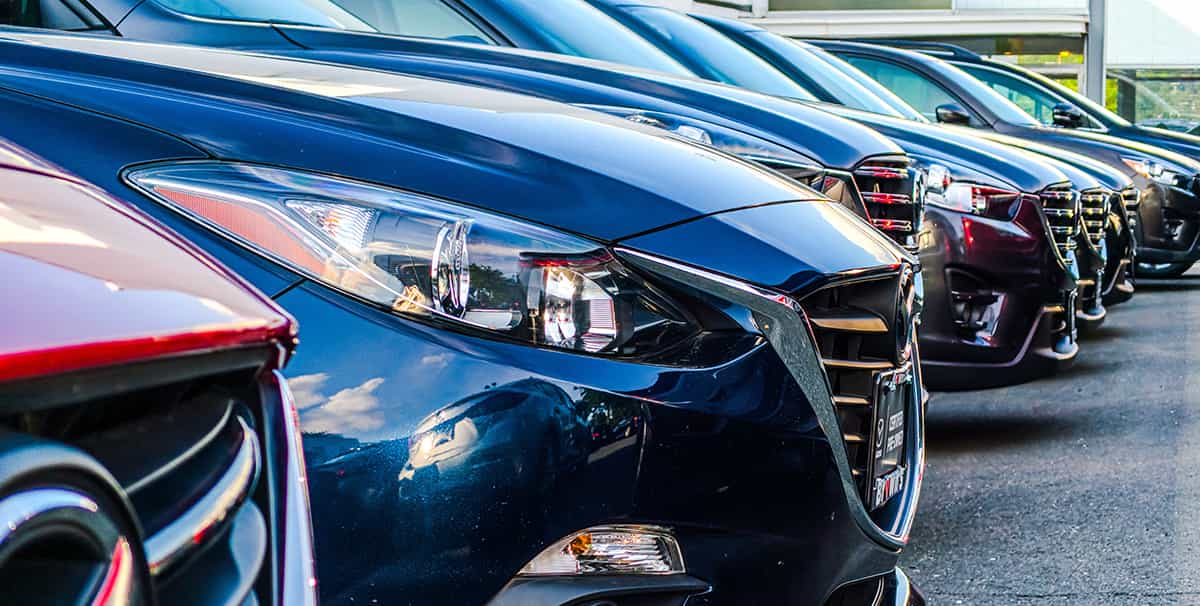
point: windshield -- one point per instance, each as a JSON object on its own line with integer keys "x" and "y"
{"x": 995, "y": 102}
{"x": 846, "y": 90}
{"x": 881, "y": 92}
{"x": 574, "y": 27}
{"x": 321, "y": 13}
{"x": 1079, "y": 100}
{"x": 729, "y": 61}
{"x": 420, "y": 18}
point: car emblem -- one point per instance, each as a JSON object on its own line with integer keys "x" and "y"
{"x": 43, "y": 517}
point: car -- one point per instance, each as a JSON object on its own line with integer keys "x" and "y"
{"x": 809, "y": 144}
{"x": 467, "y": 260}
{"x": 1053, "y": 104}
{"x": 150, "y": 452}
{"x": 1168, "y": 236}
{"x": 846, "y": 85}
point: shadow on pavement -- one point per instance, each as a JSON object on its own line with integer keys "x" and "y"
{"x": 983, "y": 433}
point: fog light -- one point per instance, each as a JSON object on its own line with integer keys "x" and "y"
{"x": 625, "y": 549}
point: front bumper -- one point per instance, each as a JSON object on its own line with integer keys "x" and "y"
{"x": 743, "y": 461}
{"x": 891, "y": 589}
{"x": 999, "y": 298}
{"x": 1168, "y": 225}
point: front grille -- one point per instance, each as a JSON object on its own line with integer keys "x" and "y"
{"x": 1131, "y": 198}
{"x": 1094, "y": 206}
{"x": 855, "y": 326}
{"x": 1061, "y": 206}
{"x": 891, "y": 193}
{"x": 188, "y": 456}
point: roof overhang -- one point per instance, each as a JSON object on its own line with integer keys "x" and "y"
{"x": 920, "y": 24}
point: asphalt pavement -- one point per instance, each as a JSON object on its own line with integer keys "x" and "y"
{"x": 1081, "y": 489}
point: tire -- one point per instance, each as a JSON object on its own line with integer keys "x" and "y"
{"x": 1162, "y": 270}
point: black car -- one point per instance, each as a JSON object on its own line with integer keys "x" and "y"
{"x": 833, "y": 80}
{"x": 1168, "y": 229}
{"x": 550, "y": 355}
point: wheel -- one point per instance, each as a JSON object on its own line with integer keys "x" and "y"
{"x": 1162, "y": 270}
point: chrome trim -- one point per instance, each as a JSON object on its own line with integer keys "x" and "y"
{"x": 850, "y": 323}
{"x": 24, "y": 507}
{"x": 786, "y": 328}
{"x": 118, "y": 585}
{"x": 218, "y": 505}
{"x": 299, "y": 570}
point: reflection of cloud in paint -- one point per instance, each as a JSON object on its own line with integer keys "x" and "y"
{"x": 351, "y": 410}
{"x": 435, "y": 361}
{"x": 305, "y": 389}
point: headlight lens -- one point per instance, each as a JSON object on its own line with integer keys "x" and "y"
{"x": 983, "y": 200}
{"x": 1151, "y": 170}
{"x": 427, "y": 258}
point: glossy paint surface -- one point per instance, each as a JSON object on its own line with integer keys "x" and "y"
{"x": 1161, "y": 204}
{"x": 832, "y": 141}
{"x": 1180, "y": 143}
{"x": 119, "y": 288}
{"x": 426, "y": 448}
{"x": 1013, "y": 258}
{"x": 408, "y": 132}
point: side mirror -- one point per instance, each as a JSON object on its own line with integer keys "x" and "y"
{"x": 1067, "y": 116}
{"x": 952, "y": 113}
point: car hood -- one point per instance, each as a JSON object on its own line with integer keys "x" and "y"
{"x": 961, "y": 147}
{"x": 542, "y": 161}
{"x": 96, "y": 277}
{"x": 832, "y": 141}
{"x": 1180, "y": 143}
{"x": 1096, "y": 144}
{"x": 1104, "y": 174}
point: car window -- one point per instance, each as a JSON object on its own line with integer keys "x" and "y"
{"x": 732, "y": 62}
{"x": 841, "y": 87}
{"x": 323, "y": 13}
{"x": 879, "y": 90}
{"x": 574, "y": 27}
{"x": 69, "y": 15}
{"x": 1035, "y": 102}
{"x": 423, "y": 18}
{"x": 1097, "y": 115}
{"x": 916, "y": 90}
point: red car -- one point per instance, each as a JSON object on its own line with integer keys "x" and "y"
{"x": 149, "y": 450}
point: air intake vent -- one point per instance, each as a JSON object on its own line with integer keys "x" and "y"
{"x": 1094, "y": 206}
{"x": 1131, "y": 197}
{"x": 892, "y": 195}
{"x": 1062, "y": 206}
{"x": 864, "y": 335}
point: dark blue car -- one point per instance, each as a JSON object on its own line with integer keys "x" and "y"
{"x": 532, "y": 371}
{"x": 809, "y": 144}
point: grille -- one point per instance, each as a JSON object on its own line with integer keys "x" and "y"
{"x": 188, "y": 456}
{"x": 1094, "y": 206}
{"x": 1131, "y": 198}
{"x": 1061, "y": 206}
{"x": 890, "y": 193}
{"x": 853, "y": 326}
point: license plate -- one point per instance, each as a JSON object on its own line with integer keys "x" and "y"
{"x": 893, "y": 393}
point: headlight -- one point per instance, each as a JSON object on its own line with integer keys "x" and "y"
{"x": 426, "y": 258}
{"x": 1151, "y": 170}
{"x": 983, "y": 200}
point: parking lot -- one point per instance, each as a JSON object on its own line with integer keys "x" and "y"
{"x": 1079, "y": 489}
